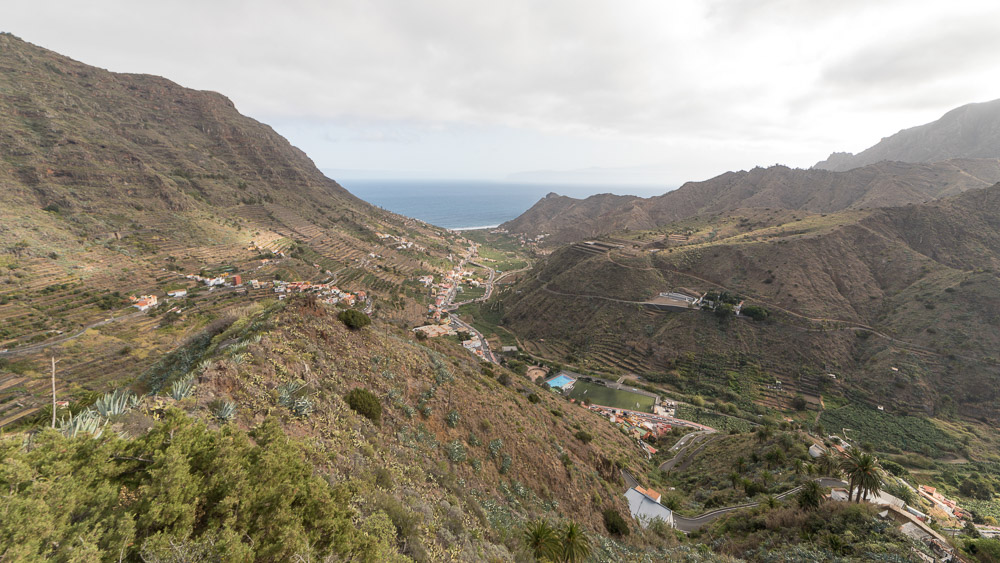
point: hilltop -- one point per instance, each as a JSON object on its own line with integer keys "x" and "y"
{"x": 884, "y": 184}
{"x": 970, "y": 131}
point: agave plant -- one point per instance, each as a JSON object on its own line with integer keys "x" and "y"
{"x": 302, "y": 408}
{"x": 181, "y": 388}
{"x": 117, "y": 403}
{"x": 224, "y": 410}
{"x": 86, "y": 422}
{"x": 287, "y": 392}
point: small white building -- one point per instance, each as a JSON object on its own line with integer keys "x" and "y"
{"x": 815, "y": 451}
{"x": 644, "y": 504}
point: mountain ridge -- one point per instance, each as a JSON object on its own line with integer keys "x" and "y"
{"x": 883, "y": 184}
{"x": 969, "y": 131}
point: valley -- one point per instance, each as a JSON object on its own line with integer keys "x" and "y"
{"x": 211, "y": 351}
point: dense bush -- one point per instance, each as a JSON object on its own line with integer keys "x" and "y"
{"x": 584, "y": 436}
{"x": 365, "y": 403}
{"x": 354, "y": 319}
{"x": 755, "y": 312}
{"x": 615, "y": 524}
{"x": 177, "y": 488}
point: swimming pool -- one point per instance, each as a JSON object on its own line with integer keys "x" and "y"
{"x": 560, "y": 381}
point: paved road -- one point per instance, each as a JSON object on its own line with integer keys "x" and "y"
{"x": 688, "y": 525}
{"x": 683, "y": 446}
{"x": 630, "y": 481}
{"x": 487, "y": 353}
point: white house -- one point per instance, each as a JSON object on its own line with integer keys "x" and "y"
{"x": 644, "y": 504}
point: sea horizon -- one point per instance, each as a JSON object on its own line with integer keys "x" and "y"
{"x": 474, "y": 204}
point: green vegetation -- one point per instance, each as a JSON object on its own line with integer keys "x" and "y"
{"x": 354, "y": 319}
{"x": 828, "y": 531}
{"x": 614, "y": 523}
{"x": 605, "y": 396}
{"x": 755, "y": 312}
{"x": 365, "y": 403}
{"x": 888, "y": 432}
{"x": 217, "y": 493}
{"x": 720, "y": 422}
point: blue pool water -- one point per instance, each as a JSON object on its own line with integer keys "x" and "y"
{"x": 559, "y": 382}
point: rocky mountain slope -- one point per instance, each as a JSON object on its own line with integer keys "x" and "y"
{"x": 970, "y": 131}
{"x": 884, "y": 184}
{"x": 114, "y": 185}
{"x": 854, "y": 293}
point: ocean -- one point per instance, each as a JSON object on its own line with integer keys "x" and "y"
{"x": 472, "y": 204}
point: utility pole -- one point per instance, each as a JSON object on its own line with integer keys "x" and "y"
{"x": 53, "y": 391}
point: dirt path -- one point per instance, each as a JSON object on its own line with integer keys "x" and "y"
{"x": 39, "y": 347}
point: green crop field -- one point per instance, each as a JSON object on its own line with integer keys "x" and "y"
{"x": 601, "y": 395}
{"x": 469, "y": 292}
{"x": 887, "y": 431}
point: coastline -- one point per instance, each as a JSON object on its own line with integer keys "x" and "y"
{"x": 474, "y": 228}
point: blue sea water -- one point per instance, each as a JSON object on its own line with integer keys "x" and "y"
{"x": 471, "y": 204}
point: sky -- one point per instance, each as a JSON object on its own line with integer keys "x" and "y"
{"x": 638, "y": 91}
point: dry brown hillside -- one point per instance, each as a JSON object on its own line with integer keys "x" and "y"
{"x": 885, "y": 184}
{"x": 856, "y": 293}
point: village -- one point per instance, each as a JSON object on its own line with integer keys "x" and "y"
{"x": 449, "y": 285}
{"x": 327, "y": 292}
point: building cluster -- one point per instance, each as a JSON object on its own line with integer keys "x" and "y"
{"x": 640, "y": 426}
{"x": 222, "y": 280}
{"x": 144, "y": 302}
{"x": 328, "y": 293}
{"x": 444, "y": 290}
{"x": 475, "y": 345}
{"x": 523, "y": 239}
{"x": 436, "y": 330}
{"x": 949, "y": 506}
{"x": 400, "y": 243}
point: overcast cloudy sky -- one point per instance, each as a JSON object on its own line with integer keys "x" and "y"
{"x": 657, "y": 91}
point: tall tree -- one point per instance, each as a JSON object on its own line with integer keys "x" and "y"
{"x": 575, "y": 543}
{"x": 542, "y": 540}
{"x": 863, "y": 473}
{"x": 811, "y": 495}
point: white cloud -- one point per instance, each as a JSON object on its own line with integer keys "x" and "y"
{"x": 454, "y": 87}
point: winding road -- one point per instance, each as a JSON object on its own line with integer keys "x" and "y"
{"x": 688, "y": 525}
{"x": 684, "y": 446}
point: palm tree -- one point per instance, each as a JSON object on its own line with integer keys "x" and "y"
{"x": 542, "y": 540}
{"x": 575, "y": 543}
{"x": 764, "y": 434}
{"x": 828, "y": 465}
{"x": 740, "y": 465}
{"x": 799, "y": 467}
{"x": 863, "y": 473}
{"x": 735, "y": 479}
{"x": 811, "y": 495}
